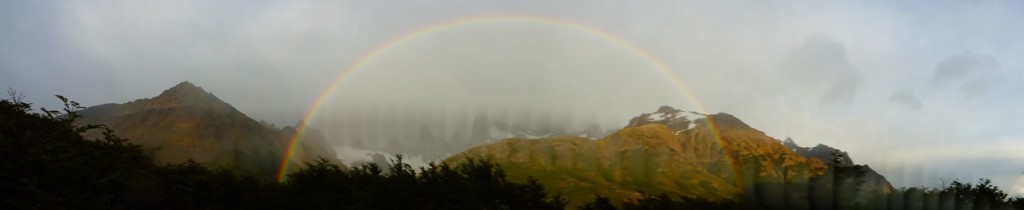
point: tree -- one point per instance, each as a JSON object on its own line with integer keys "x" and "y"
{"x": 663, "y": 201}
{"x": 600, "y": 203}
{"x": 477, "y": 184}
{"x": 48, "y": 164}
{"x": 15, "y": 96}
{"x": 847, "y": 180}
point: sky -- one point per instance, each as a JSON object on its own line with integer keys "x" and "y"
{"x": 922, "y": 92}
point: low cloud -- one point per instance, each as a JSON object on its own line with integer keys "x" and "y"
{"x": 823, "y": 67}
{"x": 906, "y": 98}
{"x": 821, "y": 63}
{"x": 973, "y": 74}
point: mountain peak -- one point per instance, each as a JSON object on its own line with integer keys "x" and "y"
{"x": 186, "y": 85}
{"x": 187, "y": 123}
{"x": 186, "y": 93}
{"x": 675, "y": 119}
{"x": 184, "y": 88}
{"x": 724, "y": 121}
{"x": 678, "y": 120}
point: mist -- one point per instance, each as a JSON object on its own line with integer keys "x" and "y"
{"x": 921, "y": 92}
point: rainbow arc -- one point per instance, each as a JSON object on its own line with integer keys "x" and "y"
{"x": 396, "y": 43}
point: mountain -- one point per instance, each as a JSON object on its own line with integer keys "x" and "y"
{"x": 434, "y": 134}
{"x": 675, "y": 119}
{"x": 719, "y": 157}
{"x": 867, "y": 180}
{"x": 186, "y": 122}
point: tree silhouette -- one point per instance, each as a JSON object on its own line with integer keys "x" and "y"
{"x": 49, "y": 165}
{"x": 600, "y": 203}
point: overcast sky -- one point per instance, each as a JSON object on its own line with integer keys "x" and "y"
{"x": 920, "y": 91}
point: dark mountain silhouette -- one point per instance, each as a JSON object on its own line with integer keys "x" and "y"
{"x": 186, "y": 122}
{"x": 866, "y": 180}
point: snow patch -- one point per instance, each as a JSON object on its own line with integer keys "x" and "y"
{"x": 351, "y": 155}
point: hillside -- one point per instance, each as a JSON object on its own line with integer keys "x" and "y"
{"x": 871, "y": 181}
{"x": 718, "y": 158}
{"x": 186, "y": 122}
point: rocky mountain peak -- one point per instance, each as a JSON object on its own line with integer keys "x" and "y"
{"x": 821, "y": 152}
{"x": 789, "y": 143}
{"x": 677, "y": 120}
{"x": 187, "y": 123}
{"x": 186, "y": 93}
{"x": 724, "y": 122}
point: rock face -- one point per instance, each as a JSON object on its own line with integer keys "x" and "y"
{"x": 311, "y": 146}
{"x": 186, "y": 122}
{"x": 675, "y": 119}
{"x": 720, "y": 157}
{"x": 849, "y": 174}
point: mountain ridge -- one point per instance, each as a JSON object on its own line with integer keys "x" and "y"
{"x": 186, "y": 122}
{"x": 715, "y": 157}
{"x": 871, "y": 182}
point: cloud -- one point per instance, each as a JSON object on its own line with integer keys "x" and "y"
{"x": 763, "y": 63}
{"x": 821, "y": 63}
{"x": 973, "y": 74}
{"x": 906, "y": 98}
{"x": 1018, "y": 186}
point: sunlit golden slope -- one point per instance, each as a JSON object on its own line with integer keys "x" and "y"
{"x": 652, "y": 158}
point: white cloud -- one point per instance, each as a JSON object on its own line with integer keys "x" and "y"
{"x": 973, "y": 74}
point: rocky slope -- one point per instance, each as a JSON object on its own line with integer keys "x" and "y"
{"x": 870, "y": 181}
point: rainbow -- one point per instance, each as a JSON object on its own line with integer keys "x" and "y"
{"x": 397, "y": 42}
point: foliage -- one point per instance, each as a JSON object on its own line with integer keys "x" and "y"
{"x": 49, "y": 165}
{"x": 662, "y": 201}
{"x": 600, "y": 203}
{"x": 955, "y": 195}
{"x": 479, "y": 184}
